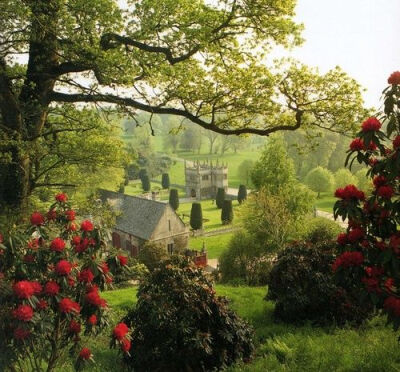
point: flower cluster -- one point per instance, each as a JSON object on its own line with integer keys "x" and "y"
{"x": 120, "y": 335}
{"x": 347, "y": 259}
{"x": 349, "y": 192}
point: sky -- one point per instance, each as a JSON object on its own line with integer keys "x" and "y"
{"x": 360, "y": 36}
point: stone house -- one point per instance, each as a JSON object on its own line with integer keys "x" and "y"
{"x": 142, "y": 220}
{"x": 203, "y": 179}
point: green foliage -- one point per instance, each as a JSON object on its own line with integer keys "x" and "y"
{"x": 227, "y": 212}
{"x": 174, "y": 199}
{"x": 219, "y": 199}
{"x": 302, "y": 284}
{"x": 344, "y": 177}
{"x": 242, "y": 194}
{"x": 152, "y": 255}
{"x": 244, "y": 260}
{"x": 363, "y": 181}
{"x": 165, "y": 181}
{"x": 196, "y": 217}
{"x": 319, "y": 180}
{"x": 179, "y": 324}
{"x": 274, "y": 169}
{"x": 319, "y": 229}
{"x": 145, "y": 183}
{"x": 244, "y": 171}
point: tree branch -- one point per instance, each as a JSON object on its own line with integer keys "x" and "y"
{"x": 72, "y": 98}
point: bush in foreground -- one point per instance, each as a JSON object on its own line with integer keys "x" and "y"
{"x": 302, "y": 284}
{"x": 181, "y": 325}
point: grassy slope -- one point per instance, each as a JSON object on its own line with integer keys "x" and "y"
{"x": 326, "y": 202}
{"x": 215, "y": 245}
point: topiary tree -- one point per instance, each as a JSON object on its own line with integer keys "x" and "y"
{"x": 146, "y": 186}
{"x": 242, "y": 194}
{"x": 302, "y": 284}
{"x": 196, "y": 217}
{"x": 51, "y": 274}
{"x": 319, "y": 180}
{"x": 174, "y": 199}
{"x": 121, "y": 188}
{"x": 180, "y": 324}
{"x": 227, "y": 212}
{"x": 165, "y": 181}
{"x": 142, "y": 173}
{"x": 219, "y": 199}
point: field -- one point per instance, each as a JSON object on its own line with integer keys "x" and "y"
{"x": 215, "y": 245}
{"x": 210, "y": 212}
{"x": 326, "y": 202}
{"x": 280, "y": 347}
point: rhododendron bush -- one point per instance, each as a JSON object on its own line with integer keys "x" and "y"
{"x": 51, "y": 275}
{"x": 371, "y": 246}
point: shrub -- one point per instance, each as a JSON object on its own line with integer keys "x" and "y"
{"x": 319, "y": 229}
{"x": 196, "y": 217}
{"x": 165, "y": 181}
{"x": 219, "y": 200}
{"x": 242, "y": 193}
{"x": 146, "y": 183}
{"x": 174, "y": 199}
{"x": 51, "y": 273}
{"x": 244, "y": 261}
{"x": 142, "y": 173}
{"x": 151, "y": 255}
{"x": 302, "y": 284}
{"x": 181, "y": 325}
{"x": 227, "y": 212}
{"x": 319, "y": 180}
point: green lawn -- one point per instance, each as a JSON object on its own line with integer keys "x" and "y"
{"x": 326, "y": 202}
{"x": 215, "y": 245}
{"x": 210, "y": 212}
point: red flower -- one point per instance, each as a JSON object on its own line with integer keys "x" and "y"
{"x": 86, "y": 225}
{"x": 92, "y": 297}
{"x": 120, "y": 331}
{"x": 92, "y": 320}
{"x": 347, "y": 259}
{"x": 342, "y": 238}
{"x": 123, "y": 260}
{"x": 23, "y": 312}
{"x": 76, "y": 240}
{"x": 23, "y": 289}
{"x": 392, "y": 305}
{"x": 357, "y": 145}
{"x": 355, "y": 235}
{"x": 371, "y": 124}
{"x": 349, "y": 192}
{"x": 42, "y": 305}
{"x": 63, "y": 267}
{"x": 71, "y": 226}
{"x": 70, "y": 215}
{"x": 385, "y": 192}
{"x": 125, "y": 345}
{"x": 104, "y": 267}
{"x": 21, "y": 334}
{"x": 372, "y": 284}
{"x": 61, "y": 197}
{"x": 389, "y": 284}
{"x": 37, "y": 219}
{"x": 85, "y": 353}
{"x": 57, "y": 245}
{"x": 74, "y": 326}
{"x": 33, "y": 244}
{"x": 51, "y": 288}
{"x": 71, "y": 281}
{"x": 66, "y": 306}
{"x": 37, "y": 288}
{"x": 28, "y": 258}
{"x": 86, "y": 276}
{"x": 51, "y": 215}
{"x": 379, "y": 181}
{"x": 396, "y": 142}
{"x": 394, "y": 78}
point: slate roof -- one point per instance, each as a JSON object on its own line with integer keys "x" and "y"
{"x": 139, "y": 217}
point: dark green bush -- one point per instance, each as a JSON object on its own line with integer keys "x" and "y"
{"x": 165, "y": 181}
{"x": 320, "y": 229}
{"x": 227, "y": 212}
{"x": 196, "y": 217}
{"x": 180, "y": 324}
{"x": 174, "y": 199}
{"x": 219, "y": 200}
{"x": 242, "y": 193}
{"x": 302, "y": 284}
{"x": 146, "y": 183}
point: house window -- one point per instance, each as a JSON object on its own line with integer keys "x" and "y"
{"x": 116, "y": 240}
{"x": 205, "y": 177}
{"x": 170, "y": 248}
